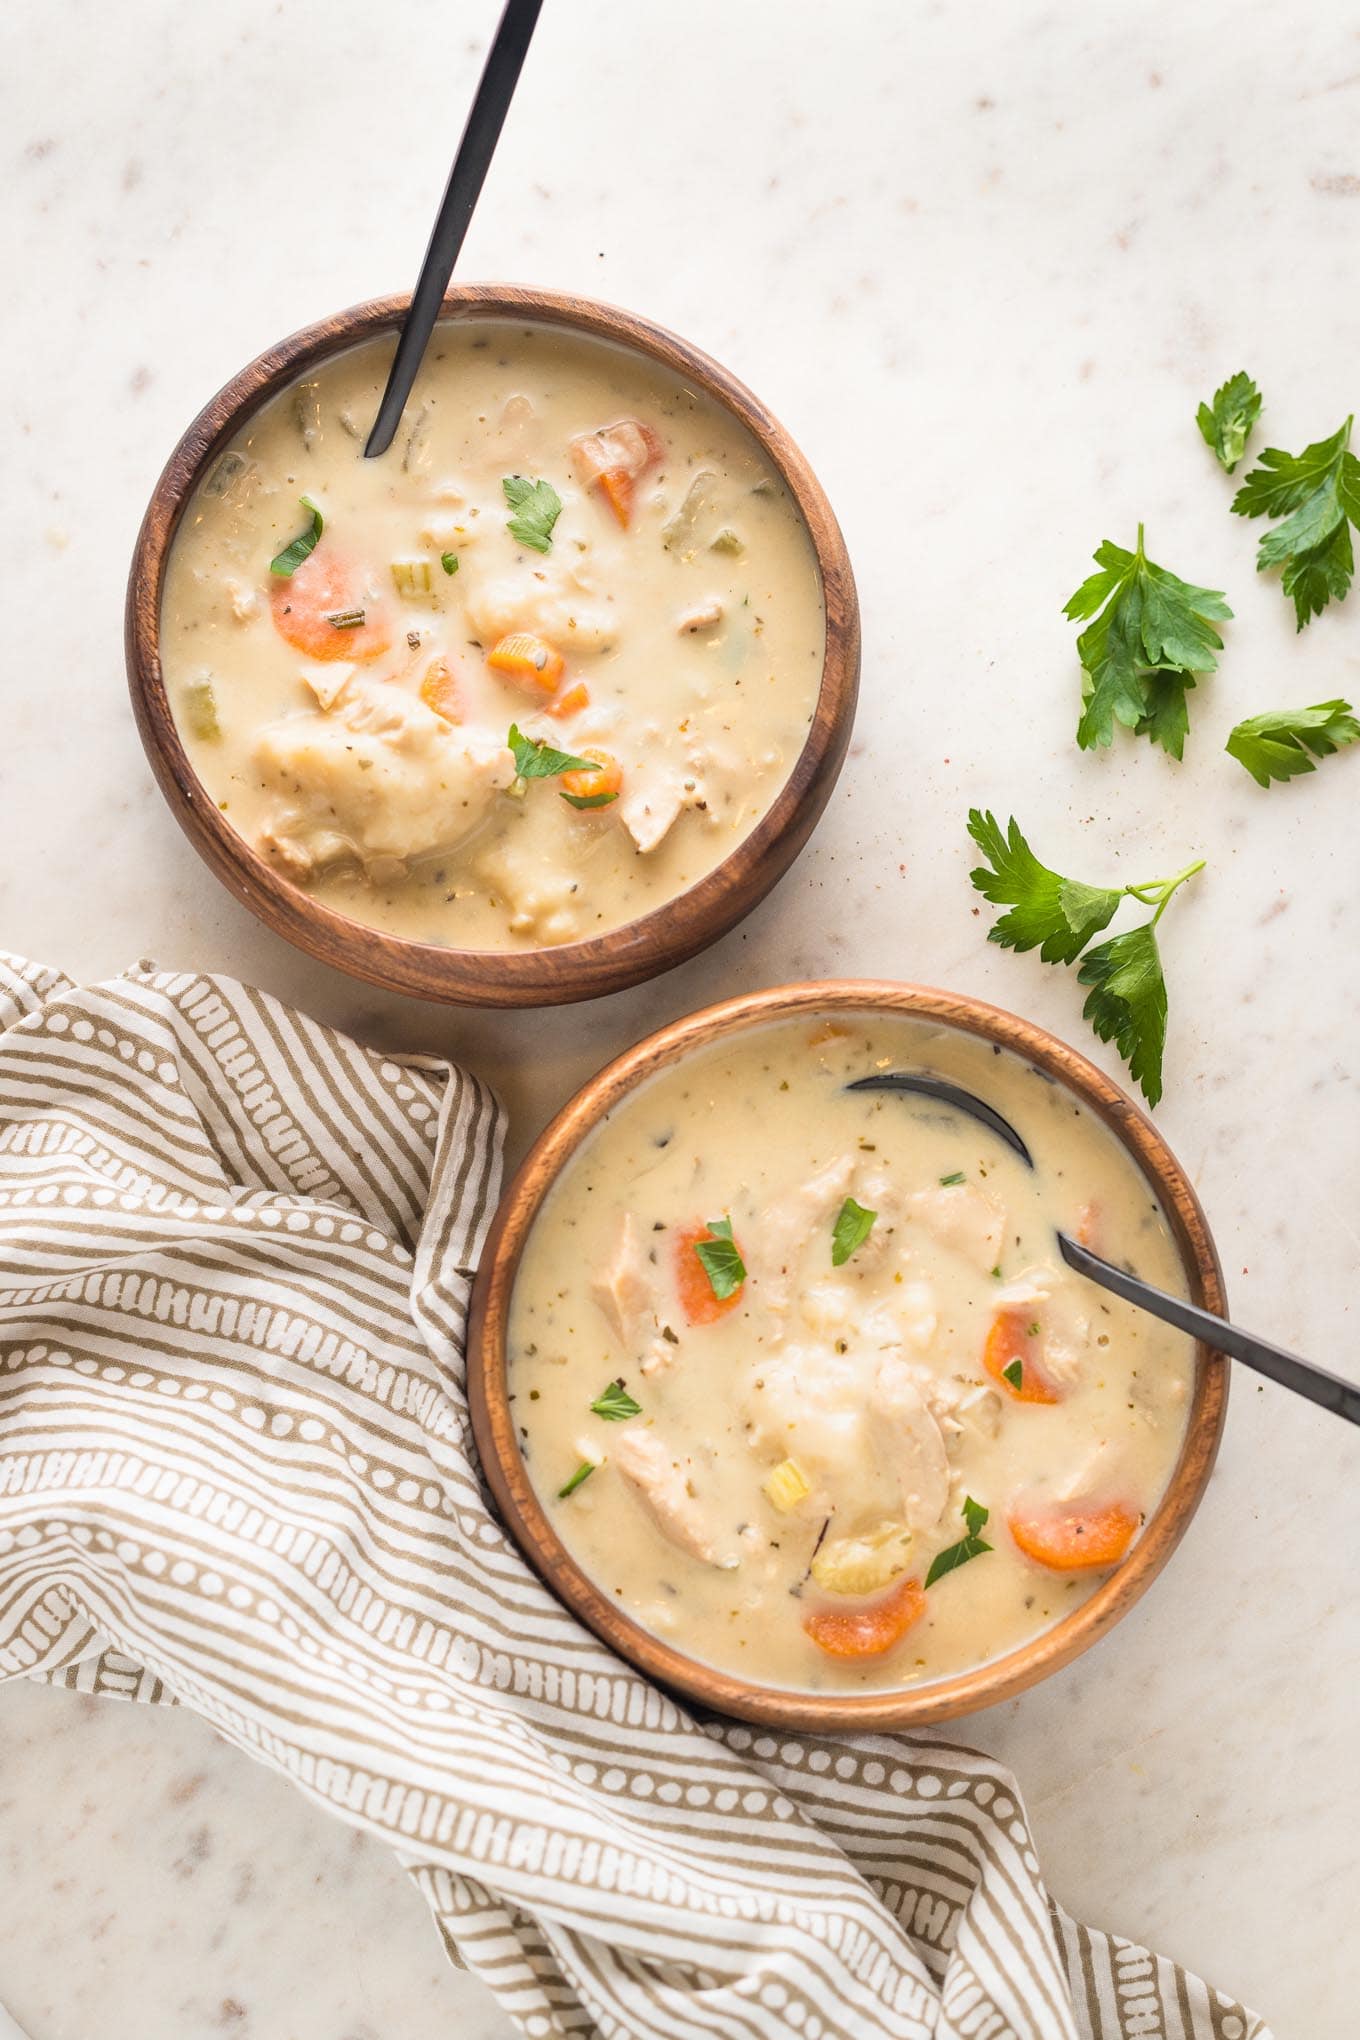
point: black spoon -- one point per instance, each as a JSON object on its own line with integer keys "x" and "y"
{"x": 496, "y": 89}
{"x": 1328, "y": 1391}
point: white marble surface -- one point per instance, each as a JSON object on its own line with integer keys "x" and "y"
{"x": 984, "y": 262}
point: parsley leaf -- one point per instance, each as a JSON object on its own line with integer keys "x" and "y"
{"x": 1285, "y": 741}
{"x": 535, "y": 757}
{"x": 1127, "y": 1002}
{"x": 852, "y": 1228}
{"x": 721, "y": 1259}
{"x": 582, "y": 1473}
{"x": 1316, "y": 494}
{"x": 286, "y": 563}
{"x": 1056, "y": 915}
{"x": 614, "y": 1404}
{"x": 1152, "y": 637}
{"x": 537, "y": 507}
{"x": 971, "y": 1546}
{"x": 1014, "y": 1372}
{"x": 1226, "y": 425}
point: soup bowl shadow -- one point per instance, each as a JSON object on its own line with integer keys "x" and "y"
{"x": 722, "y": 1692}
{"x": 627, "y": 955}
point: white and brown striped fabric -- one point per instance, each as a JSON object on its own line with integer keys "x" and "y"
{"x": 235, "y": 1472}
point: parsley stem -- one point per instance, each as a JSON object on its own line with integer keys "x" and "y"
{"x": 1155, "y": 892}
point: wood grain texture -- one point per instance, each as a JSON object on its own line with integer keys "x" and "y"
{"x": 913, "y": 1707}
{"x": 579, "y": 970}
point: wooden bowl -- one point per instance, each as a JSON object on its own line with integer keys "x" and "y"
{"x": 578, "y": 970}
{"x": 912, "y": 1707}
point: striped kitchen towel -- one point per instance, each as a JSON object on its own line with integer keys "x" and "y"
{"x": 236, "y": 1473}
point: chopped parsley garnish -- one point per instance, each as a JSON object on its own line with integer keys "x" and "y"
{"x": 297, "y": 550}
{"x": 1014, "y": 1372}
{"x": 720, "y": 1259}
{"x": 537, "y": 507}
{"x": 1316, "y": 494}
{"x": 1153, "y": 635}
{"x": 1286, "y": 741}
{"x": 449, "y": 562}
{"x": 1225, "y": 425}
{"x": 614, "y": 1404}
{"x": 971, "y": 1546}
{"x": 582, "y": 1473}
{"x": 852, "y": 1228}
{"x": 948, "y": 1182}
{"x": 1127, "y": 1001}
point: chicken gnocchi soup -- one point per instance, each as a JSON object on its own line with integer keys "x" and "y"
{"x": 800, "y": 1377}
{"x": 524, "y": 678}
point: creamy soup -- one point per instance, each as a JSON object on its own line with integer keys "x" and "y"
{"x": 800, "y": 1378}
{"x": 566, "y": 540}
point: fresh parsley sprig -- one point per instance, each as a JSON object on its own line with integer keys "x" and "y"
{"x": 1287, "y": 741}
{"x": 721, "y": 1259}
{"x": 1152, "y": 636}
{"x": 971, "y": 1546}
{"x": 1316, "y": 494}
{"x": 1226, "y": 423}
{"x": 1056, "y": 915}
{"x": 1127, "y": 1001}
{"x": 537, "y": 507}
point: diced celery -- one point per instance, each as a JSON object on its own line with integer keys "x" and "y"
{"x": 726, "y": 541}
{"x": 680, "y": 531}
{"x": 200, "y": 710}
{"x": 787, "y": 1486}
{"x": 414, "y": 578}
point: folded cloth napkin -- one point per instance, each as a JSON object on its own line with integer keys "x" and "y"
{"x": 236, "y": 1473}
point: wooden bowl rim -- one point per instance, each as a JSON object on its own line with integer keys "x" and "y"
{"x": 703, "y": 1685}
{"x": 623, "y": 956}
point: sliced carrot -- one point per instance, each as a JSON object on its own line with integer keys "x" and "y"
{"x": 440, "y": 691}
{"x": 1015, "y": 1337}
{"x": 869, "y": 1629}
{"x": 570, "y": 700}
{"x": 599, "y": 785}
{"x": 614, "y": 458}
{"x": 528, "y": 660}
{"x": 1074, "y": 1536}
{"x": 321, "y": 588}
{"x": 697, "y": 1301}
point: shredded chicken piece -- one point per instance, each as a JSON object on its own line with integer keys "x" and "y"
{"x": 787, "y": 1225}
{"x": 962, "y": 1218}
{"x": 663, "y": 1488}
{"x": 628, "y": 1293}
{"x": 917, "y": 1445}
{"x": 1064, "y": 1324}
{"x": 704, "y": 616}
{"x": 655, "y": 795}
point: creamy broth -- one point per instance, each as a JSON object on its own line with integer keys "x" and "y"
{"x": 351, "y": 719}
{"x": 803, "y": 1450}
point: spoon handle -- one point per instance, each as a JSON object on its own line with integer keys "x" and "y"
{"x": 495, "y": 90}
{"x": 1329, "y": 1391}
